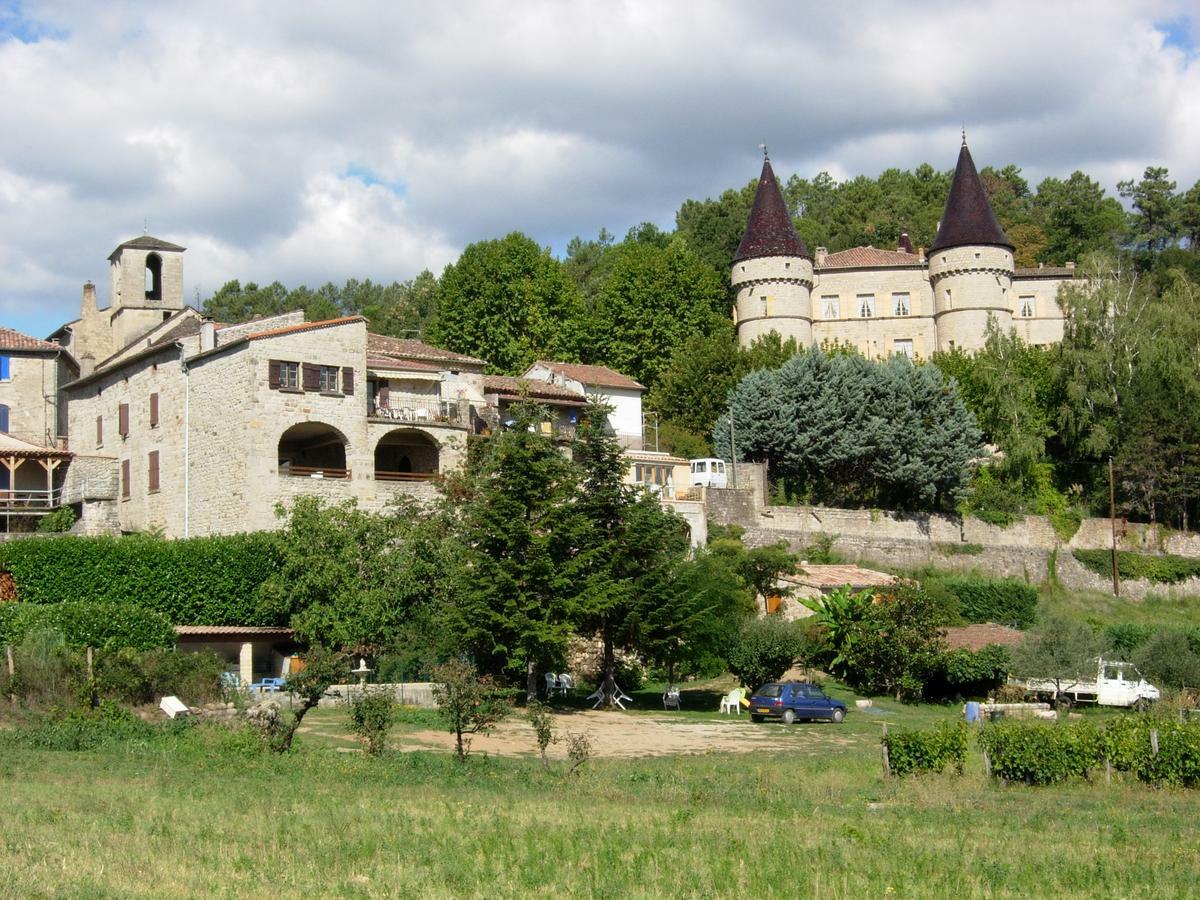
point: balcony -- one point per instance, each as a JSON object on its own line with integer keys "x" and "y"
{"x": 29, "y": 502}
{"x": 419, "y": 410}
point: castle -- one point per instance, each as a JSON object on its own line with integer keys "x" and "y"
{"x": 904, "y": 301}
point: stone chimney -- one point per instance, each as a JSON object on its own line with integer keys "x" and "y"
{"x": 208, "y": 335}
{"x": 87, "y": 365}
{"x": 88, "y": 306}
{"x": 921, "y": 254}
{"x": 822, "y": 254}
{"x": 905, "y": 244}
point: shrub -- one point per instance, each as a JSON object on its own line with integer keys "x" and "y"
{"x": 1124, "y": 638}
{"x": 1002, "y": 600}
{"x": 58, "y": 521}
{"x": 46, "y": 671}
{"x": 1128, "y": 748}
{"x": 371, "y": 718}
{"x": 102, "y": 625}
{"x": 1158, "y": 569}
{"x": 966, "y": 673}
{"x": 764, "y": 650}
{"x": 199, "y": 581}
{"x": 930, "y": 750}
{"x": 1041, "y": 753}
{"x": 134, "y": 676}
{"x": 81, "y": 729}
{"x": 1167, "y": 659}
{"x": 468, "y": 703}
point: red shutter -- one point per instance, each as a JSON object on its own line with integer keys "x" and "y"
{"x": 125, "y": 478}
{"x": 274, "y": 374}
{"x": 347, "y": 381}
{"x": 154, "y": 410}
{"x": 152, "y": 480}
{"x": 123, "y": 420}
{"x": 311, "y": 377}
{"x": 99, "y": 431}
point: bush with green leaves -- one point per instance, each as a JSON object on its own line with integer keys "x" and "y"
{"x": 968, "y": 673}
{"x": 371, "y": 717}
{"x": 198, "y": 581}
{"x": 919, "y": 751}
{"x": 1167, "y": 660}
{"x": 136, "y": 676}
{"x": 102, "y": 625}
{"x": 764, "y": 650}
{"x": 1041, "y": 753}
{"x": 85, "y": 729}
{"x": 1129, "y": 747}
{"x": 1158, "y": 569}
{"x": 468, "y": 703}
{"x": 1002, "y": 600}
{"x": 58, "y": 521}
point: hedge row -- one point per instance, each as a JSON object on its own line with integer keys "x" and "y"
{"x": 1049, "y": 753}
{"x": 200, "y": 581}
{"x": 105, "y": 626}
{"x": 1002, "y": 600}
{"x": 928, "y": 750}
{"x": 1159, "y": 569}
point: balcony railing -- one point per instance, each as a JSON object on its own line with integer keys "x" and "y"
{"x": 286, "y": 468}
{"x": 30, "y": 501}
{"x": 417, "y": 410}
{"x": 404, "y": 476}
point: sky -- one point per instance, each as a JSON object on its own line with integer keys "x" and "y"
{"x": 312, "y": 142}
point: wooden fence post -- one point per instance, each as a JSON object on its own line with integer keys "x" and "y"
{"x": 987, "y": 764}
{"x": 1107, "y": 770}
{"x": 887, "y": 763}
{"x": 11, "y": 671}
{"x": 93, "y": 699}
{"x": 1154, "y": 741}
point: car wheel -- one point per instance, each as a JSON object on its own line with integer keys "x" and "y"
{"x": 1142, "y": 705}
{"x": 838, "y": 716}
{"x": 789, "y": 716}
{"x": 754, "y": 718}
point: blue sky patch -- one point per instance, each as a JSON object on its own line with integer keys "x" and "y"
{"x": 15, "y": 24}
{"x": 370, "y": 179}
{"x": 1179, "y": 33}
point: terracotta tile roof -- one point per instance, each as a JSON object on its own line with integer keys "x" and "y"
{"x": 15, "y": 340}
{"x": 598, "y": 376}
{"x": 836, "y": 576}
{"x": 1044, "y": 272}
{"x": 974, "y": 637}
{"x": 14, "y": 446}
{"x": 392, "y": 363}
{"x": 769, "y": 231}
{"x": 383, "y": 345}
{"x": 146, "y": 242}
{"x": 303, "y": 326}
{"x": 514, "y": 387}
{"x": 968, "y": 219}
{"x": 230, "y": 630}
{"x": 868, "y": 258}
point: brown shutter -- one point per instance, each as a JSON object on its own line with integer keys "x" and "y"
{"x": 125, "y": 478}
{"x": 153, "y": 473}
{"x": 154, "y": 410}
{"x": 99, "y": 431}
{"x": 347, "y": 381}
{"x": 123, "y": 420}
{"x": 311, "y": 377}
{"x": 274, "y": 374}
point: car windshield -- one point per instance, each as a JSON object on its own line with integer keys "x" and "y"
{"x": 769, "y": 690}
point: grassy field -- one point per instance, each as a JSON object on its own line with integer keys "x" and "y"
{"x": 1096, "y": 606}
{"x": 192, "y": 816}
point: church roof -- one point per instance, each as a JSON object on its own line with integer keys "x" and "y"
{"x": 770, "y": 231}
{"x": 968, "y": 219}
{"x": 11, "y": 339}
{"x": 868, "y": 258}
{"x": 146, "y": 242}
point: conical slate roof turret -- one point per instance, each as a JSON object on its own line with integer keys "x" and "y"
{"x": 770, "y": 231}
{"x": 968, "y": 219}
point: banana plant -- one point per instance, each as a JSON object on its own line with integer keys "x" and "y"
{"x": 838, "y": 613}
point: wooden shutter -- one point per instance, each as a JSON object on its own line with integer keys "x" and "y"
{"x": 154, "y": 410}
{"x": 311, "y": 376}
{"x": 347, "y": 381}
{"x": 123, "y": 420}
{"x": 152, "y": 478}
{"x": 99, "y": 431}
{"x": 274, "y": 374}
{"x": 125, "y": 478}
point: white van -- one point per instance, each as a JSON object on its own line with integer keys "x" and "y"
{"x": 708, "y": 472}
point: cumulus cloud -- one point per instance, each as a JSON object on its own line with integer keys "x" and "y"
{"x": 314, "y": 141}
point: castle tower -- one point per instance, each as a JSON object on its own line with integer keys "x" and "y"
{"x": 970, "y": 264}
{"x": 772, "y": 271}
{"x": 146, "y": 280}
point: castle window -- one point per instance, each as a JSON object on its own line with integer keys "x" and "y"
{"x": 949, "y": 299}
{"x": 866, "y": 306}
{"x": 900, "y": 305}
{"x": 154, "y": 277}
{"x": 766, "y": 306}
{"x": 830, "y": 306}
{"x": 1028, "y": 307}
{"x": 903, "y": 347}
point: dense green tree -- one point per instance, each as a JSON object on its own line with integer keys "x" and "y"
{"x": 1154, "y": 223}
{"x": 654, "y": 299}
{"x": 514, "y": 568}
{"x": 896, "y": 646}
{"x": 1189, "y": 217}
{"x": 1077, "y": 218}
{"x": 587, "y": 265}
{"x": 712, "y": 229}
{"x": 234, "y": 303}
{"x": 764, "y": 649}
{"x": 507, "y": 301}
{"x": 1058, "y": 650}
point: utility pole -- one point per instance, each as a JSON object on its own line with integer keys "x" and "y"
{"x": 1112, "y": 518}
{"x": 732, "y": 448}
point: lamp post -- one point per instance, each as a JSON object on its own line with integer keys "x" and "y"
{"x": 732, "y": 447}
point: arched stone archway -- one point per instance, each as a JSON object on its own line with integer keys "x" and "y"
{"x": 313, "y": 449}
{"x": 405, "y": 454}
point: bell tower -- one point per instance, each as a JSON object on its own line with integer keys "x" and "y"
{"x": 146, "y": 284}
{"x": 772, "y": 271}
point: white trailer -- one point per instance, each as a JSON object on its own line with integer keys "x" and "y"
{"x": 1110, "y": 684}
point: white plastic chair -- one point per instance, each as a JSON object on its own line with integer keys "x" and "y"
{"x": 733, "y": 701}
{"x": 551, "y": 684}
{"x": 565, "y": 683}
{"x": 671, "y": 697}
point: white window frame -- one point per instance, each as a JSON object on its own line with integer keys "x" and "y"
{"x": 901, "y": 304}
{"x": 1027, "y": 306}
{"x": 831, "y": 306}
{"x": 289, "y": 375}
{"x": 866, "y": 306}
{"x": 903, "y": 346}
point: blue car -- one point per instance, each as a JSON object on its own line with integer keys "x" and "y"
{"x": 792, "y": 700}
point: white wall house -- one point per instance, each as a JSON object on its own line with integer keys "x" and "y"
{"x": 600, "y": 382}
